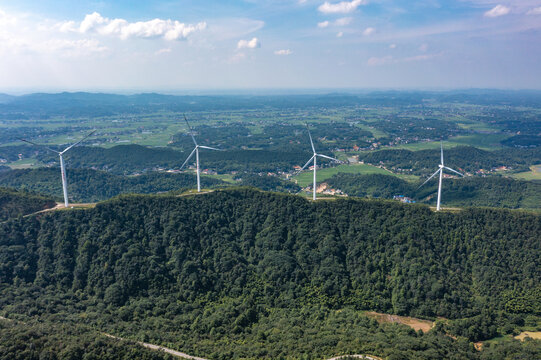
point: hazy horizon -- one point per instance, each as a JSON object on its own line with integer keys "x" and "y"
{"x": 255, "y": 91}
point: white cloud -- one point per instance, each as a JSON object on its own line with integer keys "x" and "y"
{"x": 343, "y": 21}
{"x": 156, "y": 28}
{"x": 423, "y": 47}
{"x": 342, "y": 7}
{"x": 535, "y": 11}
{"x": 283, "y": 52}
{"x": 392, "y": 46}
{"x": 340, "y": 34}
{"x": 323, "y": 24}
{"x": 369, "y": 31}
{"x": 498, "y": 10}
{"x": 6, "y": 19}
{"x": 19, "y": 36}
{"x": 248, "y": 44}
{"x": 338, "y": 22}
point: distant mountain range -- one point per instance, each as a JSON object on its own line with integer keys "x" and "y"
{"x": 102, "y": 104}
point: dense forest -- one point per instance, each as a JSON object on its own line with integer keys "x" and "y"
{"x": 51, "y": 341}
{"x": 15, "y": 203}
{"x": 242, "y": 273}
{"x": 491, "y": 191}
{"x": 464, "y": 158}
{"x": 523, "y": 141}
{"x": 494, "y": 191}
{"x": 129, "y": 159}
{"x": 86, "y": 185}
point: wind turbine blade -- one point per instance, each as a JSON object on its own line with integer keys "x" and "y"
{"x": 311, "y": 142}
{"x": 448, "y": 168}
{"x": 191, "y": 131}
{"x": 208, "y": 147}
{"x": 429, "y": 178}
{"x": 441, "y": 145}
{"x": 78, "y": 142}
{"x": 305, "y": 165}
{"x": 188, "y": 158}
{"x": 46, "y": 147}
{"x": 328, "y": 157}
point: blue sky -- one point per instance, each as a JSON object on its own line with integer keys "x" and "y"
{"x": 268, "y": 44}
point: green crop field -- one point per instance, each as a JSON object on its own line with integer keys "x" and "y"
{"x": 533, "y": 174}
{"x": 481, "y": 141}
{"x": 25, "y": 164}
{"x": 306, "y": 177}
{"x": 224, "y": 177}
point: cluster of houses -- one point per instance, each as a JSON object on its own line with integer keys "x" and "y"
{"x": 404, "y": 199}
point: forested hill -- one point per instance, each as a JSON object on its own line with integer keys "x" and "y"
{"x": 218, "y": 264}
{"x": 127, "y": 159}
{"x": 493, "y": 191}
{"x": 463, "y": 158}
{"x": 15, "y": 203}
{"x": 85, "y": 185}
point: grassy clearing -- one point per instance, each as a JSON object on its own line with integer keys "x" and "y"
{"x": 25, "y": 164}
{"x": 533, "y": 174}
{"x": 531, "y": 334}
{"x": 481, "y": 141}
{"x": 478, "y": 126}
{"x": 306, "y": 177}
{"x": 375, "y": 132}
{"x": 224, "y": 177}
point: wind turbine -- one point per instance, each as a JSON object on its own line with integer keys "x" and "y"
{"x": 62, "y": 165}
{"x": 314, "y": 157}
{"x": 440, "y": 170}
{"x": 196, "y": 151}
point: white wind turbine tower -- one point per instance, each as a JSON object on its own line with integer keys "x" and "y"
{"x": 196, "y": 151}
{"x": 440, "y": 170}
{"x": 314, "y": 157}
{"x": 62, "y": 165}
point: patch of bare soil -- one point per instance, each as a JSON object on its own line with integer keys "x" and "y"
{"x": 414, "y": 323}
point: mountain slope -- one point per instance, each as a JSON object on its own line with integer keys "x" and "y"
{"x": 214, "y": 274}
{"x": 85, "y": 185}
{"x": 15, "y": 203}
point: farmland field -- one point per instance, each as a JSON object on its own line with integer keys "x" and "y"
{"x": 534, "y": 174}
{"x": 306, "y": 177}
{"x": 481, "y": 141}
